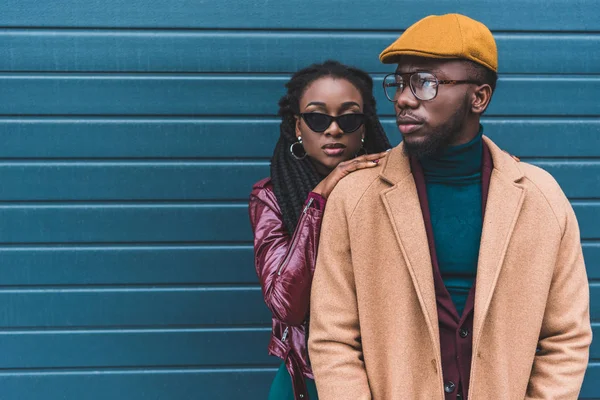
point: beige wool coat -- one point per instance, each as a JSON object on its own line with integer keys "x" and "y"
{"x": 374, "y": 328}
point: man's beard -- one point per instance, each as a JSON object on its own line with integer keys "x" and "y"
{"x": 438, "y": 140}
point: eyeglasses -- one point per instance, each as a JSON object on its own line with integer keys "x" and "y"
{"x": 348, "y": 123}
{"x": 423, "y": 85}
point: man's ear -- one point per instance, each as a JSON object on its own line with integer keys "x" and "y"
{"x": 482, "y": 95}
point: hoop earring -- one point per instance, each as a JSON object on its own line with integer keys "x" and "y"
{"x": 362, "y": 151}
{"x": 303, "y": 156}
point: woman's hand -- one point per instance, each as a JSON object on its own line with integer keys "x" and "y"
{"x": 344, "y": 168}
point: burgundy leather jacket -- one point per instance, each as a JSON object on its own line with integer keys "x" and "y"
{"x": 285, "y": 267}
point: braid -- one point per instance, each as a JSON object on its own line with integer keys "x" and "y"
{"x": 294, "y": 179}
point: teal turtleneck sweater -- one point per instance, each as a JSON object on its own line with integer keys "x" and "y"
{"x": 453, "y": 182}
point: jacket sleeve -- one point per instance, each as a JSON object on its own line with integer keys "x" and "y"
{"x": 285, "y": 265}
{"x": 334, "y": 341}
{"x": 566, "y": 334}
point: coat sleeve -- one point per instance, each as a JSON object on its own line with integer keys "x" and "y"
{"x": 285, "y": 265}
{"x": 334, "y": 341}
{"x": 566, "y": 334}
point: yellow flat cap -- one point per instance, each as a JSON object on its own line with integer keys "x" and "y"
{"x": 446, "y": 36}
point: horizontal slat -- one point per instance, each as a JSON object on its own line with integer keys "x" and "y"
{"x": 82, "y": 265}
{"x": 130, "y": 181}
{"x": 129, "y": 348}
{"x": 140, "y": 137}
{"x": 171, "y": 385}
{"x": 589, "y": 390}
{"x": 206, "y": 51}
{"x": 131, "y": 307}
{"x": 194, "y": 180}
{"x": 162, "y": 223}
{"x": 577, "y": 179}
{"x": 542, "y": 137}
{"x": 595, "y": 301}
{"x": 588, "y": 216}
{"x": 595, "y": 348}
{"x": 121, "y": 265}
{"x": 591, "y": 254}
{"x": 385, "y": 14}
{"x": 47, "y": 94}
{"x": 168, "y": 385}
{"x": 146, "y": 265}
{"x": 124, "y": 223}
{"x": 237, "y": 137}
{"x": 170, "y": 348}
{"x": 155, "y": 384}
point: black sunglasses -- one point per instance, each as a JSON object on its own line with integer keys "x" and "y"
{"x": 348, "y": 123}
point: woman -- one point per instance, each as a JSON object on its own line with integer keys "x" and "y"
{"x": 328, "y": 120}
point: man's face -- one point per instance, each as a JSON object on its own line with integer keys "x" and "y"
{"x": 429, "y": 126}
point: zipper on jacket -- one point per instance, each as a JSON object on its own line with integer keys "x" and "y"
{"x": 285, "y": 333}
{"x": 295, "y": 239}
{"x": 307, "y": 205}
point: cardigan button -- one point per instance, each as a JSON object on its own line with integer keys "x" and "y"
{"x": 463, "y": 333}
{"x": 449, "y": 387}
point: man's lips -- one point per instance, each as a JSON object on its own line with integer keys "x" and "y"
{"x": 408, "y": 125}
{"x": 408, "y": 128}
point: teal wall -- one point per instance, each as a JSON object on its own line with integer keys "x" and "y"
{"x": 131, "y": 132}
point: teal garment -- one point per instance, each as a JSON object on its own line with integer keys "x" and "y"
{"x": 281, "y": 388}
{"x": 453, "y": 182}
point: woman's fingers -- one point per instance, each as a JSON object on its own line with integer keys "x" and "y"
{"x": 356, "y": 164}
{"x": 365, "y": 161}
{"x": 371, "y": 157}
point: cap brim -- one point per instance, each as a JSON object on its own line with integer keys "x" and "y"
{"x": 391, "y": 57}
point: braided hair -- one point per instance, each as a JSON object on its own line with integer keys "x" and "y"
{"x": 293, "y": 179}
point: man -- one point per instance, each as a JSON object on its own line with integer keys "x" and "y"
{"x": 454, "y": 271}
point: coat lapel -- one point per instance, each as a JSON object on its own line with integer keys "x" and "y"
{"x": 504, "y": 202}
{"x": 404, "y": 211}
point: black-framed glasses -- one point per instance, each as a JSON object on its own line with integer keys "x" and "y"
{"x": 319, "y": 122}
{"x": 423, "y": 85}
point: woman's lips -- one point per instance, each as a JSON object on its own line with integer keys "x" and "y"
{"x": 334, "y": 151}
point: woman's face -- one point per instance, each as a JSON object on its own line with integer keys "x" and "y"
{"x": 334, "y": 97}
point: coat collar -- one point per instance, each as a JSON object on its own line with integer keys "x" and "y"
{"x": 397, "y": 165}
{"x": 504, "y": 202}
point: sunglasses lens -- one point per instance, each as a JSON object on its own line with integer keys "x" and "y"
{"x": 317, "y": 122}
{"x": 350, "y": 122}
